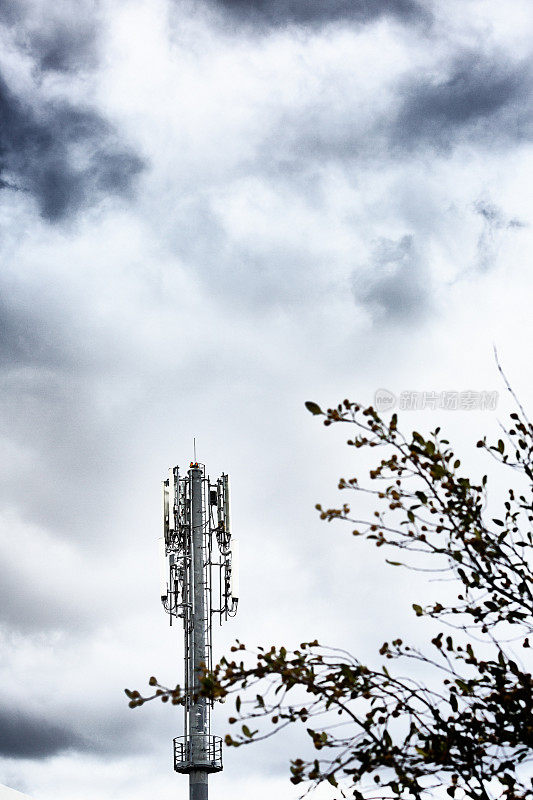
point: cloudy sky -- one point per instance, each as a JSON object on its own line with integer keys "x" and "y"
{"x": 212, "y": 211}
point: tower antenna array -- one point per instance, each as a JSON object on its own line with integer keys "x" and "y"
{"x": 199, "y": 581}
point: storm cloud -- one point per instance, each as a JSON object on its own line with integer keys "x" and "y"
{"x": 467, "y": 98}
{"x": 64, "y": 48}
{"x": 317, "y": 12}
{"x": 27, "y": 735}
{"x": 66, "y": 157}
{"x": 477, "y": 96}
{"x": 59, "y": 38}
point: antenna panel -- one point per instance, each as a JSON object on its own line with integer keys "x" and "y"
{"x": 183, "y": 506}
{"x": 163, "y": 572}
{"x": 171, "y": 499}
{"x": 165, "y": 511}
{"x": 223, "y": 529}
{"x": 227, "y": 527}
{"x": 234, "y": 577}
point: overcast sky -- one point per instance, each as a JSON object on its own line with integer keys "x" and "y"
{"x": 211, "y": 212}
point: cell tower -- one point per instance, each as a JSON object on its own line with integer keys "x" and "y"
{"x": 199, "y": 580}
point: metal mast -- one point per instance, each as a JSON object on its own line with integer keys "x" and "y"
{"x": 199, "y": 579}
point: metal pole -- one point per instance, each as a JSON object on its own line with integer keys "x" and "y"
{"x": 198, "y": 719}
{"x": 190, "y": 531}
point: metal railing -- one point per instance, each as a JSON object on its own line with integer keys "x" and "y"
{"x": 198, "y": 751}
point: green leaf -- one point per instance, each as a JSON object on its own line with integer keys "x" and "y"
{"x": 313, "y": 407}
{"x": 418, "y": 610}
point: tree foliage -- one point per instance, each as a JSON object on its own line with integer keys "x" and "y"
{"x": 382, "y": 731}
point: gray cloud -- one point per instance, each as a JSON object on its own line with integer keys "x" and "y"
{"x": 27, "y": 336}
{"x": 52, "y": 429}
{"x": 26, "y": 606}
{"x": 495, "y": 218}
{"x": 494, "y": 224}
{"x": 477, "y": 98}
{"x": 62, "y": 48}
{"x": 480, "y": 97}
{"x": 256, "y": 275}
{"x": 27, "y": 735}
{"x": 66, "y": 157}
{"x": 59, "y": 39}
{"x": 51, "y": 360}
{"x": 312, "y": 12}
{"x": 10, "y": 12}
{"x": 395, "y": 286}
